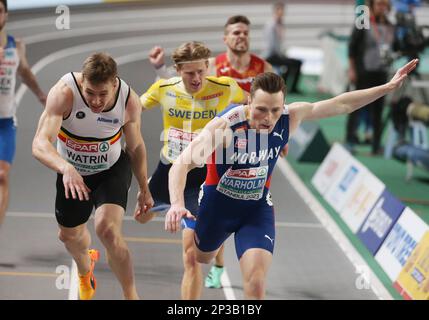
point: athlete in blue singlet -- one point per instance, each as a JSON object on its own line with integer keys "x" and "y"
{"x": 241, "y": 147}
{"x": 238, "y": 183}
{"x": 12, "y": 62}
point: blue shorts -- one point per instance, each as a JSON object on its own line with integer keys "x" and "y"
{"x": 158, "y": 186}
{"x": 7, "y": 140}
{"x": 252, "y": 222}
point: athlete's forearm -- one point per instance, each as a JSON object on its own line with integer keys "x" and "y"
{"x": 177, "y": 182}
{"x": 138, "y": 157}
{"x": 45, "y": 152}
{"x": 351, "y": 101}
{"x": 347, "y": 102}
{"x": 30, "y": 80}
{"x": 165, "y": 73}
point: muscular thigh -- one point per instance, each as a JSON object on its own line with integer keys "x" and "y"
{"x": 257, "y": 230}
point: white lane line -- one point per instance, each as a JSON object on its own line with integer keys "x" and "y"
{"x": 128, "y": 27}
{"x": 333, "y": 229}
{"x": 297, "y": 14}
{"x": 38, "y": 215}
{"x": 109, "y": 44}
{"x": 299, "y": 225}
{"x": 164, "y": 14}
{"x": 226, "y": 286}
{"x": 73, "y": 289}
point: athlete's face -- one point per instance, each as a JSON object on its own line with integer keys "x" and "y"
{"x": 236, "y": 38}
{"x": 380, "y": 8}
{"x": 278, "y": 13}
{"x": 99, "y": 96}
{"x": 3, "y": 16}
{"x": 193, "y": 75}
{"x": 265, "y": 109}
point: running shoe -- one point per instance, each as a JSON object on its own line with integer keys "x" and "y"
{"x": 87, "y": 283}
{"x": 213, "y": 278}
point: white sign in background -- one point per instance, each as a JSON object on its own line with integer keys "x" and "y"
{"x": 330, "y": 168}
{"x": 402, "y": 239}
{"x": 345, "y": 184}
{"x": 362, "y": 200}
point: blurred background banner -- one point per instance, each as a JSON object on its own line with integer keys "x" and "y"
{"x": 27, "y": 4}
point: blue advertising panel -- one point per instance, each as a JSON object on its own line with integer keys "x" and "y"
{"x": 380, "y": 221}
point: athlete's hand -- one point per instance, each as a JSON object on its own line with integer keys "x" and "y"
{"x": 148, "y": 200}
{"x": 402, "y": 74}
{"x": 156, "y": 57}
{"x": 144, "y": 204}
{"x": 174, "y": 217}
{"x": 74, "y": 184}
{"x": 352, "y": 75}
{"x": 284, "y": 151}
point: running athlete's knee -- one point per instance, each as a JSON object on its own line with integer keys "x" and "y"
{"x": 189, "y": 258}
{"x": 107, "y": 233}
{"x": 255, "y": 284}
{"x": 4, "y": 177}
{"x": 69, "y": 236}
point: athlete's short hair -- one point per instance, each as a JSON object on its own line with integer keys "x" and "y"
{"x": 371, "y": 4}
{"x": 268, "y": 82}
{"x": 190, "y": 51}
{"x": 5, "y": 4}
{"x": 99, "y": 68}
{"x": 278, "y": 5}
{"x": 236, "y": 19}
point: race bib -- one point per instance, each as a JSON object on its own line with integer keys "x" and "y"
{"x": 177, "y": 141}
{"x": 244, "y": 184}
{"x": 6, "y": 81}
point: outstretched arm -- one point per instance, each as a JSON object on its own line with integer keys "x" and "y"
{"x": 346, "y": 102}
{"x": 27, "y": 75}
{"x": 195, "y": 155}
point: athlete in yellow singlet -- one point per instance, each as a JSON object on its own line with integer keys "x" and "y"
{"x": 188, "y": 103}
{"x": 185, "y": 113}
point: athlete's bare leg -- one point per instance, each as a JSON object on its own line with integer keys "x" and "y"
{"x": 254, "y": 266}
{"x": 4, "y": 188}
{"x": 219, "y": 261}
{"x": 108, "y": 226}
{"x": 192, "y": 282}
{"x": 77, "y": 241}
{"x": 205, "y": 257}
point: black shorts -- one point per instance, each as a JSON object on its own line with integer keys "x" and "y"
{"x": 158, "y": 186}
{"x": 110, "y": 186}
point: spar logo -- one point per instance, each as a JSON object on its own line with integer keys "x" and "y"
{"x": 104, "y": 146}
{"x": 88, "y": 147}
{"x": 248, "y": 173}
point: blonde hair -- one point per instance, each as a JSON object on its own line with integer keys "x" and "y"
{"x": 190, "y": 51}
